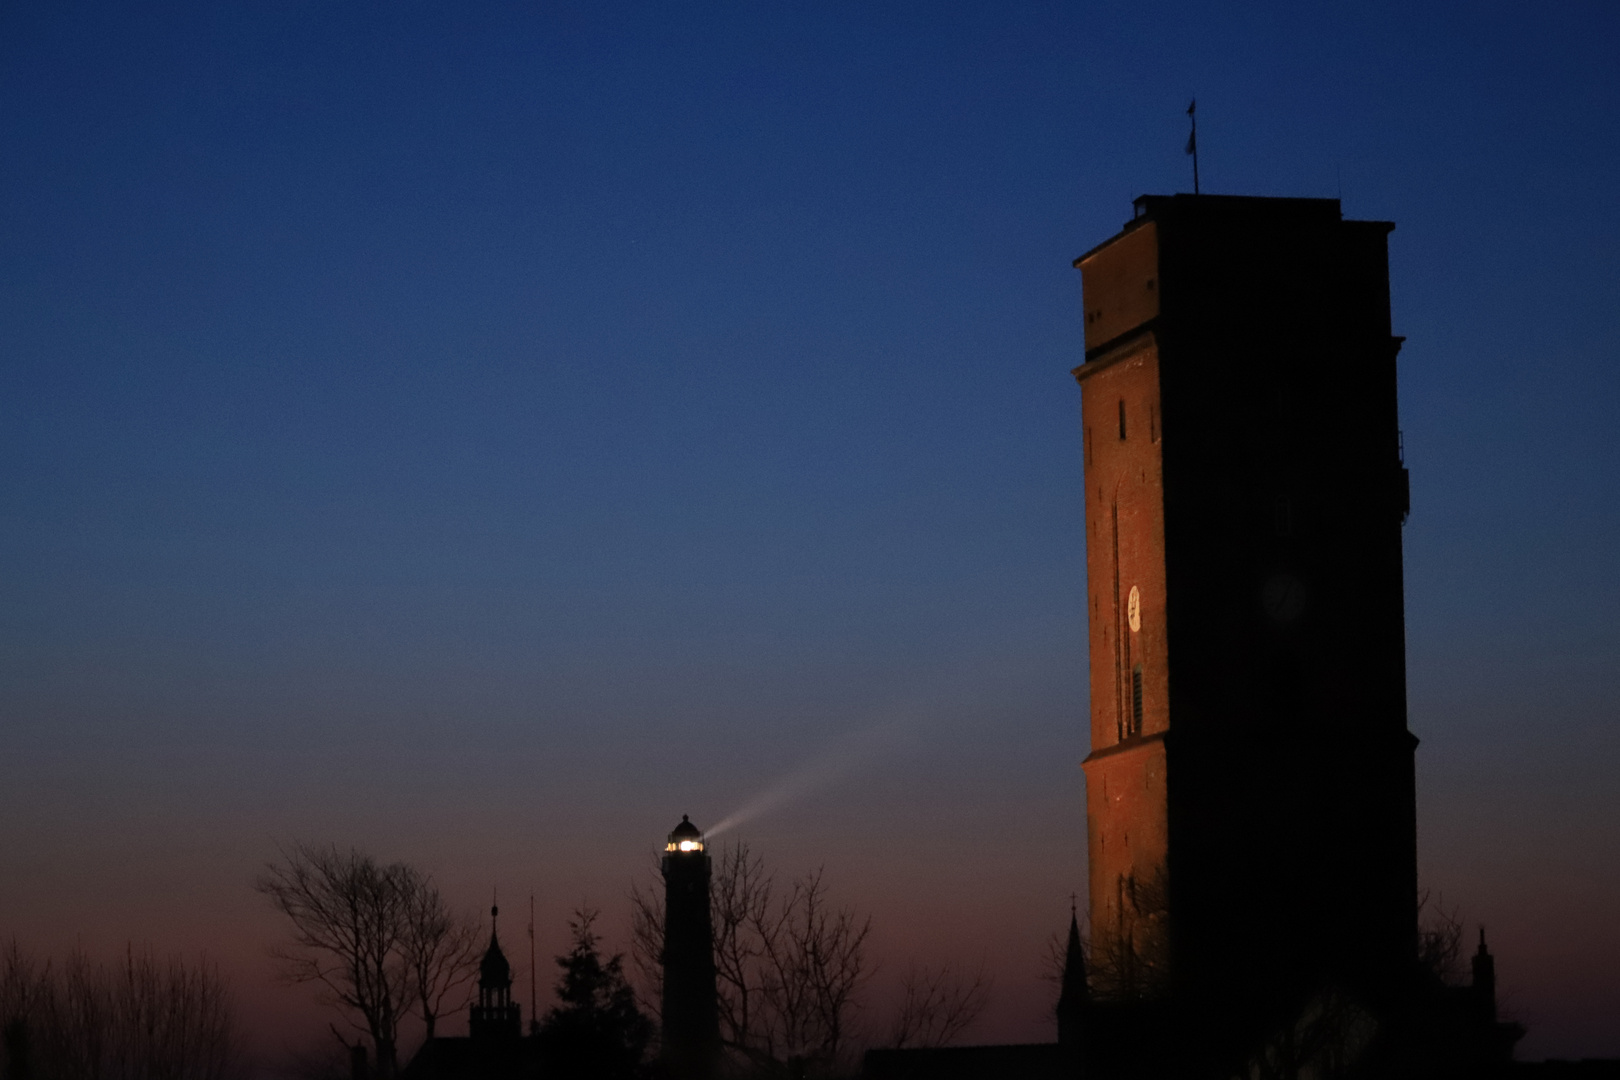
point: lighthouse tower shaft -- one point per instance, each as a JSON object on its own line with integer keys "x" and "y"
{"x": 691, "y": 1026}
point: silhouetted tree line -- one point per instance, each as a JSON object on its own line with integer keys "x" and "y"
{"x": 139, "y": 1019}
{"x": 383, "y": 946}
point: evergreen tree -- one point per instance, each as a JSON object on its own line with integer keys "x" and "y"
{"x": 595, "y": 1030}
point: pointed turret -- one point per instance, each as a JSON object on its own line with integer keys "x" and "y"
{"x": 1072, "y": 1000}
{"x": 494, "y": 972}
{"x": 496, "y": 1015}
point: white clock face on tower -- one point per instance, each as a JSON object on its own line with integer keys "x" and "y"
{"x": 1133, "y": 609}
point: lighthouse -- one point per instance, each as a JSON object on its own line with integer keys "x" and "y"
{"x": 691, "y": 1026}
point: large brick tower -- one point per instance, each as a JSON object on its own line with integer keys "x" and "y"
{"x": 1250, "y": 800}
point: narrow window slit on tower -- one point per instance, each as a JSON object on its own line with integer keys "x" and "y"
{"x": 1136, "y": 700}
{"x": 1119, "y": 690}
{"x": 1122, "y": 418}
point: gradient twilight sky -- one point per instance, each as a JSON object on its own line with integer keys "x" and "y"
{"x": 484, "y": 432}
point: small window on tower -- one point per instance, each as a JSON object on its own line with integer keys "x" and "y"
{"x": 1136, "y": 700}
{"x": 1122, "y": 419}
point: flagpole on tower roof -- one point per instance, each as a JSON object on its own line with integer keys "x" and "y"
{"x": 1192, "y": 141}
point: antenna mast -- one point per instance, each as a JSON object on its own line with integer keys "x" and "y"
{"x": 534, "y": 1021}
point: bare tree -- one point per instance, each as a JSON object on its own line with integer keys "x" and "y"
{"x": 1439, "y": 938}
{"x": 79, "y": 1019}
{"x": 937, "y": 1005}
{"x": 741, "y": 908}
{"x": 740, "y": 891}
{"x": 178, "y": 1018}
{"x": 441, "y": 953}
{"x": 144, "y": 1019}
{"x": 647, "y": 947}
{"x": 740, "y": 895}
{"x": 789, "y": 963}
{"x": 19, "y": 993}
{"x": 349, "y": 916}
{"x": 378, "y": 939}
{"x": 1127, "y": 958}
{"x": 816, "y": 964}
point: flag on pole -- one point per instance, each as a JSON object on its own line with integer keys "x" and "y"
{"x": 1192, "y": 141}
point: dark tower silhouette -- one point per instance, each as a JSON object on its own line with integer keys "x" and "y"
{"x": 1074, "y": 996}
{"x": 1250, "y": 803}
{"x": 691, "y": 1025}
{"x": 496, "y": 1016}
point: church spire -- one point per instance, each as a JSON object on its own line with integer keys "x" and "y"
{"x": 1072, "y": 1000}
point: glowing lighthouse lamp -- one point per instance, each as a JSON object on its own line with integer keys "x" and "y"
{"x": 685, "y": 839}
